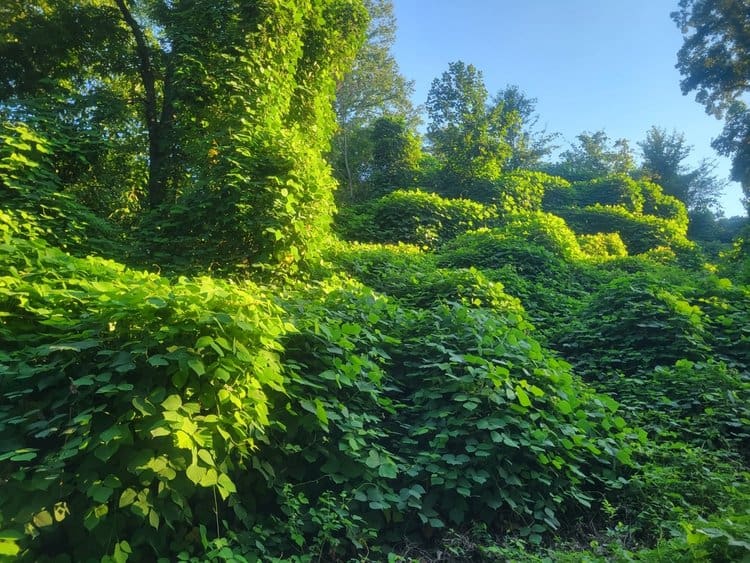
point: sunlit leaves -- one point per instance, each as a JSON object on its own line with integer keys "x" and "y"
{"x": 148, "y": 394}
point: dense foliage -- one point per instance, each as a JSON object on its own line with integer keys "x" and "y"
{"x": 546, "y": 368}
{"x": 713, "y": 63}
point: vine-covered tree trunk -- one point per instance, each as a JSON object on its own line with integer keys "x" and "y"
{"x": 157, "y": 122}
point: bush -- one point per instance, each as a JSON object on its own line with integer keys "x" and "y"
{"x": 420, "y": 412}
{"x": 558, "y": 196}
{"x": 31, "y": 187}
{"x": 130, "y": 402}
{"x": 413, "y": 217}
{"x": 704, "y": 403}
{"x": 677, "y": 483}
{"x": 493, "y": 249}
{"x": 602, "y": 245}
{"x": 639, "y": 232}
{"x": 619, "y": 190}
{"x": 543, "y": 229}
{"x": 499, "y": 430}
{"x": 411, "y": 275}
{"x": 632, "y": 324}
{"x": 727, "y": 308}
{"x": 519, "y": 191}
{"x": 661, "y": 205}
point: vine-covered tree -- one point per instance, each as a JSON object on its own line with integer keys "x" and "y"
{"x": 373, "y": 88}
{"x": 715, "y": 63}
{"x": 529, "y": 144}
{"x": 467, "y": 133}
{"x": 229, "y": 103}
{"x": 593, "y": 156}
{"x": 396, "y": 152}
{"x": 663, "y": 162}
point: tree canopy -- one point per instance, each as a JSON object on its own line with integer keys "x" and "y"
{"x": 373, "y": 88}
{"x": 715, "y": 63}
{"x": 593, "y": 155}
{"x": 467, "y": 133}
{"x": 178, "y": 85}
{"x": 663, "y": 162}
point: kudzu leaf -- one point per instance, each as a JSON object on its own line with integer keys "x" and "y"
{"x": 11, "y": 535}
{"x": 27, "y": 456}
{"x": 158, "y": 361}
{"x": 42, "y": 519}
{"x": 564, "y": 407}
{"x": 197, "y": 366}
{"x": 205, "y": 456}
{"x": 172, "y": 403}
{"x": 388, "y": 469}
{"x": 195, "y": 473}
{"x": 9, "y": 548}
{"x": 127, "y": 498}
{"x": 210, "y": 478}
{"x": 226, "y": 486}
{"x": 523, "y": 398}
{"x": 153, "y": 519}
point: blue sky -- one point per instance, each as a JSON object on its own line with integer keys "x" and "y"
{"x": 591, "y": 64}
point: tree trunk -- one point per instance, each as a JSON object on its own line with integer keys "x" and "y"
{"x": 158, "y": 129}
{"x": 346, "y": 165}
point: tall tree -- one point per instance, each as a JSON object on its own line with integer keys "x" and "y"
{"x": 373, "y": 88}
{"x": 396, "y": 152}
{"x": 593, "y": 156}
{"x": 528, "y": 143}
{"x": 467, "y": 134}
{"x": 232, "y": 100}
{"x": 663, "y": 162}
{"x": 715, "y": 63}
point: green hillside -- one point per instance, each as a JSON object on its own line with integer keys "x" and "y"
{"x": 216, "y": 346}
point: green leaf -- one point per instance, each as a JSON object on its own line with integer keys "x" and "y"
{"x": 27, "y": 456}
{"x": 195, "y": 473}
{"x": 42, "y": 519}
{"x": 156, "y": 302}
{"x": 536, "y": 391}
{"x": 127, "y": 498}
{"x": 210, "y": 478}
{"x": 373, "y": 459}
{"x": 11, "y": 535}
{"x": 153, "y": 519}
{"x": 205, "y": 456}
{"x": 564, "y": 407}
{"x": 99, "y": 493}
{"x": 9, "y": 548}
{"x": 172, "y": 403}
{"x": 93, "y": 517}
{"x": 158, "y": 361}
{"x": 388, "y": 469}
{"x": 226, "y": 486}
{"x": 523, "y": 397}
{"x": 122, "y": 552}
{"x": 197, "y": 366}
{"x": 320, "y": 412}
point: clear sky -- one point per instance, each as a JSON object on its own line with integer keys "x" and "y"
{"x": 591, "y": 64}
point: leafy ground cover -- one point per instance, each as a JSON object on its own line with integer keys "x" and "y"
{"x": 399, "y": 404}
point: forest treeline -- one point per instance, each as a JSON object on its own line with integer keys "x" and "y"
{"x": 249, "y": 313}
